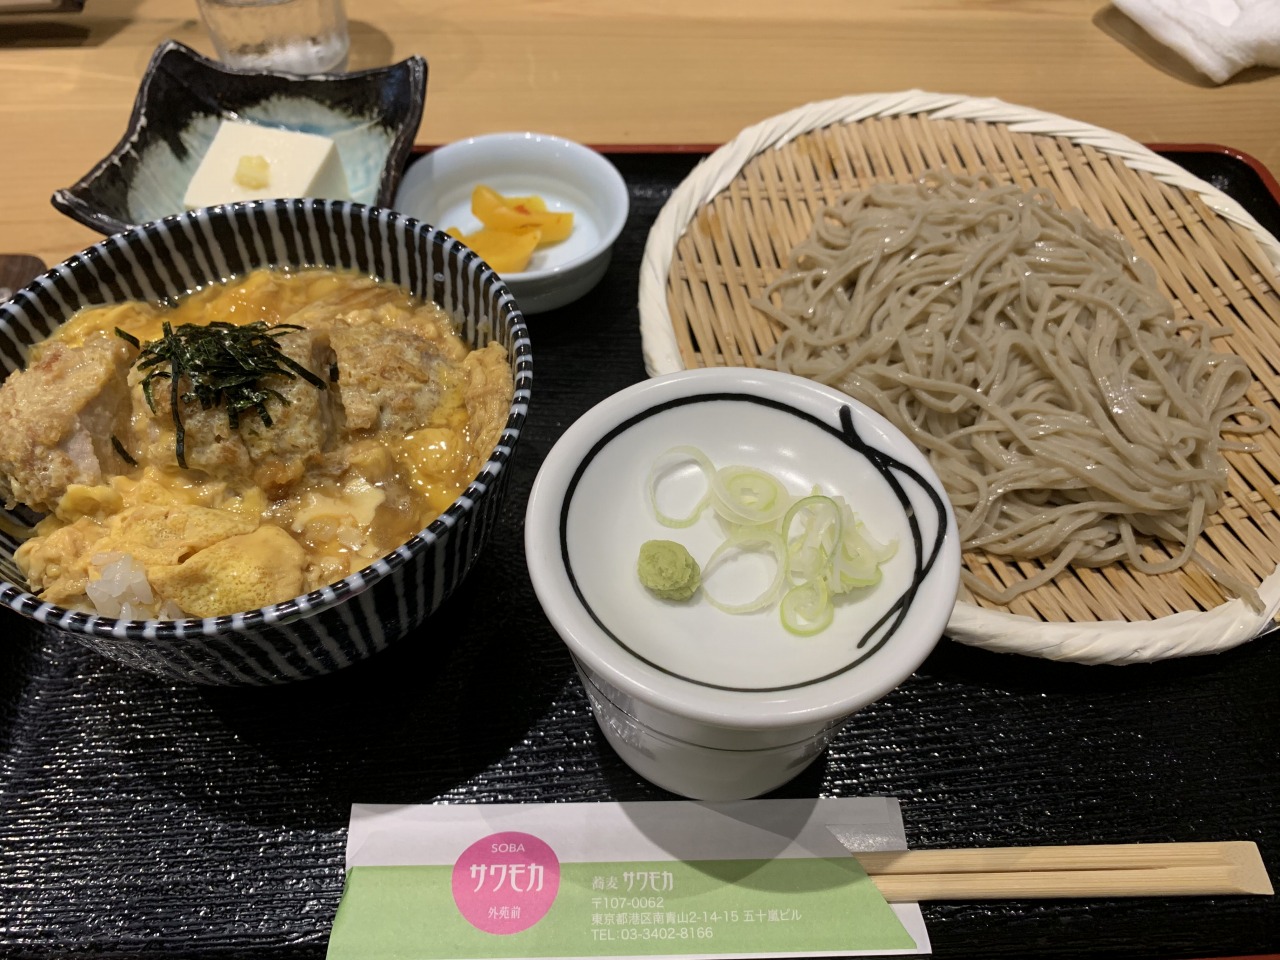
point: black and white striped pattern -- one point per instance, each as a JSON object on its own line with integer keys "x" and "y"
{"x": 360, "y": 615}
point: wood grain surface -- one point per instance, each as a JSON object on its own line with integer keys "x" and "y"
{"x": 606, "y": 72}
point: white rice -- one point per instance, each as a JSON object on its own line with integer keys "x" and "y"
{"x": 122, "y": 590}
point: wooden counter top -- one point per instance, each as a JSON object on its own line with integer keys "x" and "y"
{"x": 661, "y": 73}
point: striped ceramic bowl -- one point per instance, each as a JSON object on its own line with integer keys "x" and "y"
{"x": 354, "y": 618}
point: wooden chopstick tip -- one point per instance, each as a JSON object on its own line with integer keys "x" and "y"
{"x": 1231, "y": 868}
{"x": 1251, "y": 872}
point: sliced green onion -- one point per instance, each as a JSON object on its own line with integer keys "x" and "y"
{"x": 747, "y": 541}
{"x": 810, "y": 553}
{"x": 807, "y": 609}
{"x": 747, "y": 496}
{"x": 664, "y": 463}
{"x": 858, "y": 562}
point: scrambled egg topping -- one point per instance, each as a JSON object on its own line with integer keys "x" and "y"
{"x": 263, "y": 513}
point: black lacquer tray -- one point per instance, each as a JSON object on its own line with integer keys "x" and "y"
{"x": 141, "y": 818}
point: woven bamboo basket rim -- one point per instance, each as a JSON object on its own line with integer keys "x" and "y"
{"x": 728, "y": 229}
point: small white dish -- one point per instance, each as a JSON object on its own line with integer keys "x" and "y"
{"x": 707, "y": 704}
{"x": 567, "y": 175}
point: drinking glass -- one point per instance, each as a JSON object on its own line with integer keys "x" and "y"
{"x": 289, "y": 36}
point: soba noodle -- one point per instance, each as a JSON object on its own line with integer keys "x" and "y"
{"x": 1070, "y": 415}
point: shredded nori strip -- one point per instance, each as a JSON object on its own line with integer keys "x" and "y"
{"x": 124, "y": 454}
{"x": 223, "y": 364}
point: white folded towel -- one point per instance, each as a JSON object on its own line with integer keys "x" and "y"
{"x": 1217, "y": 37}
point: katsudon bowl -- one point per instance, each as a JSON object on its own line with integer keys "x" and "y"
{"x": 361, "y": 614}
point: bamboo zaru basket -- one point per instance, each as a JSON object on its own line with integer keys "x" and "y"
{"x": 728, "y": 230}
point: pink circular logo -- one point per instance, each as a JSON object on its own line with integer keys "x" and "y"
{"x": 506, "y": 882}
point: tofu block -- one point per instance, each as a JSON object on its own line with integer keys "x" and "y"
{"x": 250, "y": 162}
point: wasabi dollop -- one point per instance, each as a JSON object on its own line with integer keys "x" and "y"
{"x": 668, "y": 570}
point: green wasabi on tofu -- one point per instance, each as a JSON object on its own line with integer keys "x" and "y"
{"x": 668, "y": 570}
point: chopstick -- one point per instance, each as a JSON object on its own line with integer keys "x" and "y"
{"x": 1103, "y": 870}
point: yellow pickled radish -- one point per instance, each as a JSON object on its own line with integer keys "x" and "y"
{"x": 532, "y": 202}
{"x": 519, "y": 214}
{"x": 486, "y": 198}
{"x": 505, "y": 251}
{"x": 511, "y": 228}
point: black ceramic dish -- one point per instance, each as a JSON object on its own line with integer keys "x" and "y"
{"x": 372, "y": 116}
